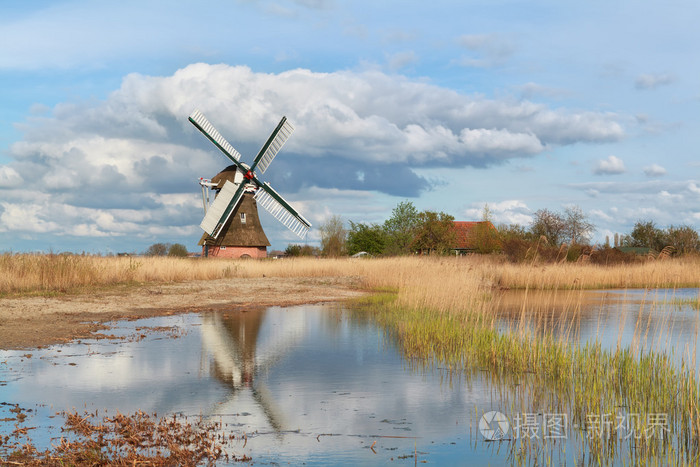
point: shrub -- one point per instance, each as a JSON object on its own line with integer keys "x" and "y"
{"x": 610, "y": 256}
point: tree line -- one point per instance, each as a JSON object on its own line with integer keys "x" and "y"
{"x": 166, "y": 249}
{"x": 550, "y": 230}
{"x": 409, "y": 231}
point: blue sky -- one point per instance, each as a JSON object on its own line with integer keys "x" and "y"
{"x": 451, "y": 105}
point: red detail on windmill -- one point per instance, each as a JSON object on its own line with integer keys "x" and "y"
{"x": 249, "y": 175}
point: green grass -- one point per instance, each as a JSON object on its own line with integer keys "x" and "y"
{"x": 583, "y": 381}
{"x": 683, "y": 302}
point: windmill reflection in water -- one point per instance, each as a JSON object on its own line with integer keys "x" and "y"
{"x": 242, "y": 349}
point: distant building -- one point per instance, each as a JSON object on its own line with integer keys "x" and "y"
{"x": 277, "y": 254}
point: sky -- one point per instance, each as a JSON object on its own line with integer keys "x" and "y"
{"x": 452, "y": 105}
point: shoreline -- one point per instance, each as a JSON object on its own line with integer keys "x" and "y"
{"x": 35, "y": 322}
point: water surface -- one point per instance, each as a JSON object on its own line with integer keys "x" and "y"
{"x": 306, "y": 384}
{"x": 322, "y": 384}
{"x": 659, "y": 320}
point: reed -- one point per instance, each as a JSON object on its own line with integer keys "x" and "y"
{"x": 445, "y": 282}
{"x": 448, "y": 319}
{"x": 548, "y": 374}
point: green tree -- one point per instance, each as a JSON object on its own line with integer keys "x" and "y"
{"x": 369, "y": 238}
{"x": 435, "y": 232}
{"x": 400, "y": 229}
{"x": 684, "y": 239}
{"x": 645, "y": 234}
{"x": 293, "y": 250}
{"x": 301, "y": 250}
{"x": 577, "y": 227}
{"x": 157, "y": 249}
{"x": 177, "y": 249}
{"x": 513, "y": 231}
{"x": 333, "y": 237}
{"x": 550, "y": 225}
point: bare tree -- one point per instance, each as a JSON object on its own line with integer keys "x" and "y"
{"x": 577, "y": 228}
{"x": 549, "y": 224}
{"x": 157, "y": 249}
{"x": 333, "y": 237}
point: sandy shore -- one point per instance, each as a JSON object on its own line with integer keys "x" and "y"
{"x": 30, "y": 322}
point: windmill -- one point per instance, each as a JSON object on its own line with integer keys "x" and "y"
{"x": 231, "y": 224}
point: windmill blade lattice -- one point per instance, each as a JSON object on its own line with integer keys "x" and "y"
{"x": 281, "y": 210}
{"x": 221, "y": 209}
{"x": 274, "y": 143}
{"x": 203, "y": 125}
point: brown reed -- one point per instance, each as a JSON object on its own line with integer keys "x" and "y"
{"x": 444, "y": 282}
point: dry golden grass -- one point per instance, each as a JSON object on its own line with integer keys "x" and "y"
{"x": 681, "y": 272}
{"x": 443, "y": 283}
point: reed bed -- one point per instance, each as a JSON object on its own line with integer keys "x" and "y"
{"x": 29, "y": 273}
{"x": 446, "y": 315}
{"x": 676, "y": 273}
{"x": 541, "y": 373}
{"x": 447, "y": 283}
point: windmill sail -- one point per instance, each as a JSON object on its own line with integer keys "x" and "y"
{"x": 230, "y": 196}
{"x": 203, "y": 125}
{"x": 281, "y": 210}
{"x": 221, "y": 209}
{"x": 273, "y": 145}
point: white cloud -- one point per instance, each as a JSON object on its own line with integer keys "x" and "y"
{"x": 663, "y": 201}
{"x": 25, "y": 218}
{"x": 654, "y": 170}
{"x": 511, "y": 211}
{"x": 530, "y": 90}
{"x": 653, "y": 80}
{"x": 666, "y": 197}
{"x": 488, "y": 50}
{"x": 635, "y": 189}
{"x": 693, "y": 188}
{"x": 99, "y": 163}
{"x": 402, "y": 59}
{"x": 599, "y": 214}
{"x": 64, "y": 219}
{"x": 9, "y": 178}
{"x": 610, "y": 166}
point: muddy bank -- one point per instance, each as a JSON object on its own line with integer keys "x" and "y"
{"x": 29, "y": 322}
